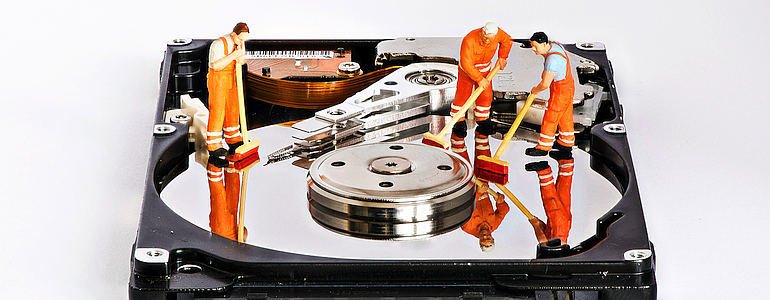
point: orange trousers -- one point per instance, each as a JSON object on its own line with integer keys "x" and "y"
{"x": 458, "y": 146}
{"x": 557, "y": 199}
{"x": 224, "y": 109}
{"x": 558, "y": 114}
{"x": 482, "y": 147}
{"x": 465, "y": 86}
{"x": 224, "y": 189}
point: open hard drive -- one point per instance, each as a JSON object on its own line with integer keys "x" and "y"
{"x": 347, "y": 202}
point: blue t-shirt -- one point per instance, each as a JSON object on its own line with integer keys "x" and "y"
{"x": 556, "y": 63}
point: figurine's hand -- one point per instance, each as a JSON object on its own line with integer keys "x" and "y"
{"x": 499, "y": 197}
{"x": 482, "y": 187}
{"x": 485, "y": 84}
{"x": 502, "y": 62}
{"x": 239, "y": 55}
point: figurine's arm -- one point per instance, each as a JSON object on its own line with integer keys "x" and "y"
{"x": 499, "y": 198}
{"x": 505, "y": 44}
{"x": 468, "y": 63}
{"x": 219, "y": 61}
{"x": 547, "y": 79}
{"x": 500, "y": 212}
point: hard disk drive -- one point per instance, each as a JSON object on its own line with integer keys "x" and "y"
{"x": 346, "y": 202}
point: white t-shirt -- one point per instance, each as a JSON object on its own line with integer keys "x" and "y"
{"x": 217, "y": 49}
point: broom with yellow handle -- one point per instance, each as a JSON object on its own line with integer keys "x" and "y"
{"x": 537, "y": 224}
{"x": 438, "y": 140}
{"x": 494, "y": 164}
{"x": 245, "y": 156}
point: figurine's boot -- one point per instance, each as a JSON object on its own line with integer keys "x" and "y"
{"x": 233, "y": 136}
{"x": 482, "y": 147}
{"x": 221, "y": 220}
{"x": 458, "y": 146}
{"x": 559, "y": 218}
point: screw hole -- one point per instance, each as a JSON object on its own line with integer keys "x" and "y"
{"x": 386, "y": 184}
{"x": 391, "y": 83}
{"x": 444, "y": 167}
{"x": 338, "y": 163}
{"x": 189, "y": 269}
{"x": 396, "y": 147}
{"x": 336, "y": 112}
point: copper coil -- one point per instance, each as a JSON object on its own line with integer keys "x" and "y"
{"x": 308, "y": 95}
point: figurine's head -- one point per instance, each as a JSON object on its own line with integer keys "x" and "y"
{"x": 240, "y": 33}
{"x": 486, "y": 241}
{"x": 488, "y": 32}
{"x": 540, "y": 43}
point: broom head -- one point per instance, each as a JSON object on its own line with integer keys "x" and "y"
{"x": 433, "y": 140}
{"x": 491, "y": 177}
{"x": 492, "y": 165}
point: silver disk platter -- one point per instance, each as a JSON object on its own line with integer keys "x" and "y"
{"x": 390, "y": 191}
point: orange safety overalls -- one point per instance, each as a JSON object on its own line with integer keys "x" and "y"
{"x": 557, "y": 199}
{"x": 224, "y": 189}
{"x": 559, "y": 110}
{"x": 475, "y": 64}
{"x": 485, "y": 213}
{"x": 223, "y": 105}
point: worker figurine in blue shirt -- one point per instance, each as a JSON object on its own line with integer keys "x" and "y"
{"x": 557, "y": 77}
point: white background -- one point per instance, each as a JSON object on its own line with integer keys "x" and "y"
{"x": 79, "y": 87}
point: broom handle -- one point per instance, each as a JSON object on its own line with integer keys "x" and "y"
{"x": 244, "y": 133}
{"x": 514, "y": 126}
{"x": 515, "y": 201}
{"x": 241, "y": 100}
{"x": 242, "y": 205}
{"x": 467, "y": 105}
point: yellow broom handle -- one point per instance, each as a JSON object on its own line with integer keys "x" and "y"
{"x": 241, "y": 101}
{"x": 515, "y": 201}
{"x": 514, "y": 126}
{"x": 242, "y": 206}
{"x": 467, "y": 105}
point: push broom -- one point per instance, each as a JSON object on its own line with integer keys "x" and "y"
{"x": 245, "y": 156}
{"x": 493, "y": 164}
{"x": 437, "y": 140}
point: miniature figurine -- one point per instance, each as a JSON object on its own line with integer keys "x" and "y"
{"x": 476, "y": 52}
{"x": 486, "y": 219}
{"x": 225, "y": 54}
{"x": 224, "y": 187}
{"x": 558, "y": 77}
{"x": 557, "y": 198}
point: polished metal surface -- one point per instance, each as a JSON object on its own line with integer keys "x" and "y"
{"x": 179, "y": 42}
{"x": 278, "y": 215}
{"x": 430, "y": 77}
{"x": 591, "y": 46}
{"x": 390, "y": 191}
{"x": 395, "y": 105}
{"x": 163, "y": 129}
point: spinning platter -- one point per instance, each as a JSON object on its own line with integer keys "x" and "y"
{"x": 391, "y": 191}
{"x": 347, "y": 203}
